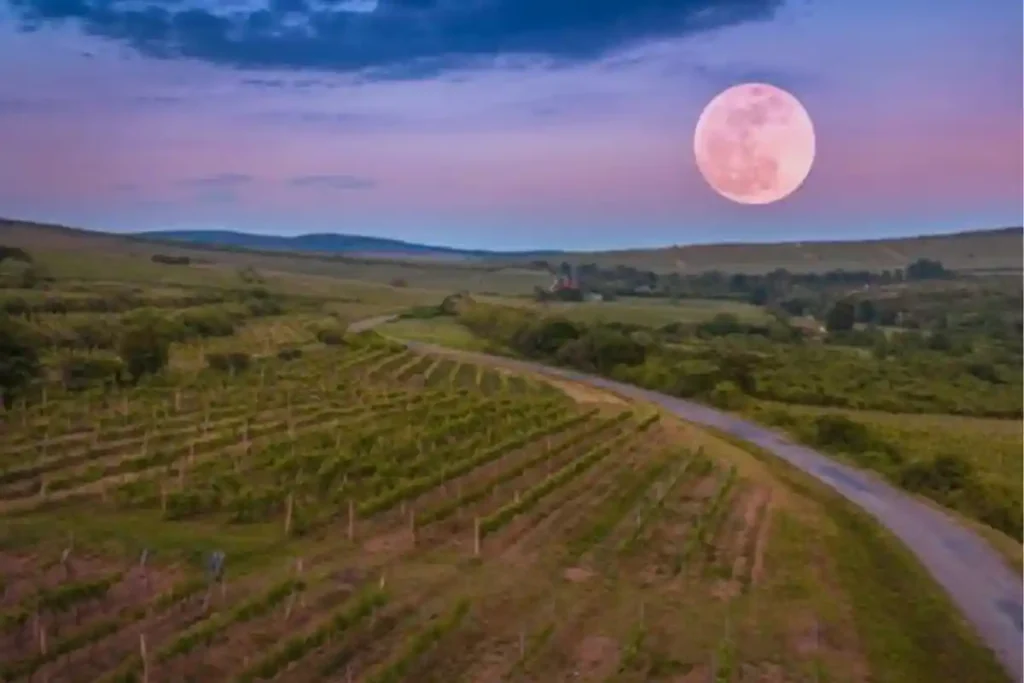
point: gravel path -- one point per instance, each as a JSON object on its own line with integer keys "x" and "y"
{"x": 987, "y": 592}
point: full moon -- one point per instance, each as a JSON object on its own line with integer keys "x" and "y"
{"x": 754, "y": 143}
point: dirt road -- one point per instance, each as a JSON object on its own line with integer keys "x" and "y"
{"x": 987, "y": 592}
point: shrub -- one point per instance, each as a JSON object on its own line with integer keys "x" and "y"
{"x": 289, "y": 354}
{"x": 145, "y": 348}
{"x": 81, "y": 372}
{"x": 19, "y": 359}
{"x": 232, "y": 361}
{"x": 171, "y": 260}
{"x": 331, "y": 336}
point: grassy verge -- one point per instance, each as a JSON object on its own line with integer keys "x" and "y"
{"x": 909, "y": 628}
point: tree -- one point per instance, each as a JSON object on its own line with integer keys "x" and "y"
{"x": 841, "y": 318}
{"x": 19, "y": 359}
{"x": 145, "y": 349}
{"x": 866, "y": 312}
{"x": 927, "y": 269}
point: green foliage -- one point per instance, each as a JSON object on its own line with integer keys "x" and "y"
{"x": 145, "y": 348}
{"x": 929, "y": 464}
{"x": 170, "y": 260}
{"x": 230, "y": 361}
{"x": 398, "y": 669}
{"x": 289, "y": 353}
{"x": 333, "y": 335}
{"x": 841, "y": 317}
{"x": 726, "y": 370}
{"x": 14, "y": 253}
{"x": 19, "y": 360}
{"x": 296, "y": 647}
{"x": 79, "y": 373}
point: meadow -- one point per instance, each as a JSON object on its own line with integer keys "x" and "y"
{"x": 640, "y": 311}
{"x": 970, "y": 465}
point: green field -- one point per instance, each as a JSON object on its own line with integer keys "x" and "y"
{"x": 970, "y": 465}
{"x": 640, "y": 311}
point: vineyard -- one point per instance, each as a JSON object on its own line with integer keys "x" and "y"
{"x": 358, "y": 512}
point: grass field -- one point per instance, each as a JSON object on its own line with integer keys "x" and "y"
{"x": 989, "y": 451}
{"x": 983, "y": 251}
{"x": 639, "y": 311}
{"x": 83, "y": 255}
{"x": 441, "y": 331}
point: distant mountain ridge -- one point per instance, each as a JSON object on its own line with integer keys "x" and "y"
{"x": 334, "y": 243}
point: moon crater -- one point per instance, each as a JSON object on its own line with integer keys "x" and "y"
{"x": 754, "y": 143}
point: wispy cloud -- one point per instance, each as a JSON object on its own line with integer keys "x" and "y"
{"x": 219, "y": 181}
{"x": 333, "y": 182}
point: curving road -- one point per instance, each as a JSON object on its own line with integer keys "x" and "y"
{"x": 987, "y": 592}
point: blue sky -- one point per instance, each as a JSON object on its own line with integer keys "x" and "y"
{"x": 501, "y": 123}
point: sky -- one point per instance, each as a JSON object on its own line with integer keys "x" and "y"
{"x": 502, "y": 124}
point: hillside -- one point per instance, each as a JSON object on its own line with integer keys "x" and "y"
{"x": 332, "y": 243}
{"x": 997, "y": 250}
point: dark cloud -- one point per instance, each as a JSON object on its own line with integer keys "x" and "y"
{"x": 333, "y": 182}
{"x": 218, "y": 182}
{"x": 401, "y": 39}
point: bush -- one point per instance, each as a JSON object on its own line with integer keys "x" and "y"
{"x": 208, "y": 323}
{"x": 171, "y": 260}
{"x": 232, "y": 361}
{"x": 331, "y": 336}
{"x": 81, "y": 372}
{"x": 289, "y": 354}
{"x": 727, "y": 395}
{"x": 944, "y": 475}
{"x": 19, "y": 359}
{"x": 145, "y": 348}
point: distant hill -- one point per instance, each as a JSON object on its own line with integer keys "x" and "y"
{"x": 331, "y": 243}
{"x": 976, "y": 250}
{"x": 982, "y": 251}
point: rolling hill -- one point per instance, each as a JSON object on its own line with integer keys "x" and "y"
{"x": 991, "y": 251}
{"x": 979, "y": 250}
{"x": 333, "y": 243}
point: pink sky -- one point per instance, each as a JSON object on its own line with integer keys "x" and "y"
{"x": 921, "y": 132}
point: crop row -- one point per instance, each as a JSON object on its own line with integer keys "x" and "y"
{"x": 14, "y": 670}
{"x": 363, "y": 605}
{"x": 633, "y": 486}
{"x": 397, "y": 669}
{"x": 111, "y": 409}
{"x": 316, "y": 472}
{"x": 695, "y": 464}
{"x": 526, "y": 500}
{"x": 480, "y": 493}
{"x": 706, "y": 524}
{"x": 154, "y": 461}
{"x": 414, "y": 487}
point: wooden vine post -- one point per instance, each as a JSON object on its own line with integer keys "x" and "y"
{"x": 143, "y": 654}
{"x": 289, "y": 505}
{"x": 476, "y": 536}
